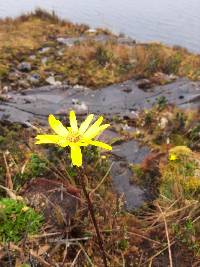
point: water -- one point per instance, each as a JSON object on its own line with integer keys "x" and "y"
{"x": 169, "y": 21}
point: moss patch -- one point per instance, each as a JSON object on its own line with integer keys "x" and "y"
{"x": 17, "y": 220}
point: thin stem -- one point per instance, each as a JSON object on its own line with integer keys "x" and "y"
{"x": 91, "y": 210}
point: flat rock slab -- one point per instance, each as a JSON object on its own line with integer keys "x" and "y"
{"x": 118, "y": 99}
{"x": 100, "y": 38}
{"x": 133, "y": 195}
{"x": 129, "y": 152}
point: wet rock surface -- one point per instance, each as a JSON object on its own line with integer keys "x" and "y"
{"x": 128, "y": 152}
{"x": 119, "y": 99}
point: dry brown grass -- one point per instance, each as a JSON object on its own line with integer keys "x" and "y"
{"x": 32, "y": 33}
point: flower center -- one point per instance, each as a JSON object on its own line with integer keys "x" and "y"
{"x": 74, "y": 137}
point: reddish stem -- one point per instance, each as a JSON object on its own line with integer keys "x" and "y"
{"x": 91, "y": 210}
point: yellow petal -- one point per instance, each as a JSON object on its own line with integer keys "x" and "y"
{"x": 94, "y": 128}
{"x": 96, "y": 131}
{"x": 57, "y": 126}
{"x": 100, "y": 144}
{"x": 82, "y": 143}
{"x": 86, "y": 123}
{"x": 172, "y": 157}
{"x": 51, "y": 139}
{"x": 76, "y": 155}
{"x": 73, "y": 121}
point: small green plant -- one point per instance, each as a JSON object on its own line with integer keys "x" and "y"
{"x": 17, "y": 220}
{"x": 2, "y": 138}
{"x": 195, "y": 133}
{"x": 138, "y": 170}
{"x": 186, "y": 234}
{"x": 172, "y": 64}
{"x": 161, "y": 102}
{"x": 36, "y": 166}
{"x": 148, "y": 118}
{"x": 91, "y": 154}
{"x": 180, "y": 120}
{"x": 102, "y": 55}
{"x": 123, "y": 244}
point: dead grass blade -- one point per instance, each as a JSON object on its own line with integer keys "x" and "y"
{"x": 167, "y": 235}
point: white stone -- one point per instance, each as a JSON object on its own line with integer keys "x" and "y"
{"x": 51, "y": 80}
{"x": 163, "y": 123}
{"x": 91, "y": 31}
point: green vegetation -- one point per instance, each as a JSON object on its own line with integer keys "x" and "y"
{"x": 17, "y": 220}
{"x": 183, "y": 171}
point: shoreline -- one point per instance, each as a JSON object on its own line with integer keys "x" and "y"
{"x": 39, "y": 48}
{"x": 143, "y": 31}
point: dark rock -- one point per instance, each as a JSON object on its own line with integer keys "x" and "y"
{"x": 58, "y": 201}
{"x": 134, "y": 196}
{"x": 34, "y": 79}
{"x": 127, "y": 90}
{"x": 108, "y": 136}
{"x": 24, "y": 67}
{"x": 145, "y": 84}
{"x": 131, "y": 151}
{"x": 128, "y": 152}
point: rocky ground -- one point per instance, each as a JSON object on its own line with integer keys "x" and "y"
{"x": 137, "y": 191}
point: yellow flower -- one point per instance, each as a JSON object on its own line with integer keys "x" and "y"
{"x": 24, "y": 209}
{"x": 73, "y": 136}
{"x": 172, "y": 157}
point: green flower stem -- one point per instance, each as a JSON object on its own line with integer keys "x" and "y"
{"x": 91, "y": 210}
